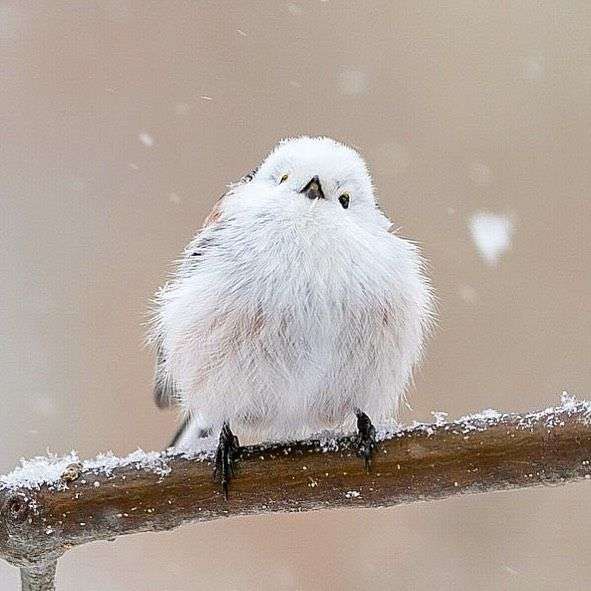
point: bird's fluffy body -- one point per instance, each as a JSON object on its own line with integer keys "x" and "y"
{"x": 286, "y": 313}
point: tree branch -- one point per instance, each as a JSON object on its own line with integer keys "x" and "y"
{"x": 45, "y": 509}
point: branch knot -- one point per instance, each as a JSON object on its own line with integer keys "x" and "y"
{"x": 16, "y": 508}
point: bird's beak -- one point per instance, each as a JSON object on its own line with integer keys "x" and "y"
{"x": 313, "y": 190}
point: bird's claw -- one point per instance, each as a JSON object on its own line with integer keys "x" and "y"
{"x": 227, "y": 450}
{"x": 366, "y": 438}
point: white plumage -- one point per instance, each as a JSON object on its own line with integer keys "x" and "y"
{"x": 288, "y": 313}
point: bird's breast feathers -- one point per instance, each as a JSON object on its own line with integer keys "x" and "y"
{"x": 309, "y": 282}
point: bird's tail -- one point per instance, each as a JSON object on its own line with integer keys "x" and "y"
{"x": 190, "y": 431}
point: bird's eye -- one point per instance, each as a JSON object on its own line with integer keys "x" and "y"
{"x": 344, "y": 200}
{"x": 283, "y": 178}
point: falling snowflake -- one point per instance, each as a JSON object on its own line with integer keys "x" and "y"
{"x": 353, "y": 81}
{"x": 491, "y": 234}
{"x": 146, "y": 139}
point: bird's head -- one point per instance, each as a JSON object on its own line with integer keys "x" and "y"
{"x": 318, "y": 172}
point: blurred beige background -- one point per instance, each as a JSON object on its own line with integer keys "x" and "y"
{"x": 120, "y": 124}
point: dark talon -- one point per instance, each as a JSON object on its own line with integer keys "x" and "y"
{"x": 366, "y": 438}
{"x": 228, "y": 447}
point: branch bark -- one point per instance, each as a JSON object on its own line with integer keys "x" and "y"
{"x": 482, "y": 453}
{"x": 40, "y": 577}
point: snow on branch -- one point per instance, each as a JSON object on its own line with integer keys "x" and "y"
{"x": 48, "y": 505}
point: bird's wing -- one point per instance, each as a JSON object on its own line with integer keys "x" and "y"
{"x": 165, "y": 392}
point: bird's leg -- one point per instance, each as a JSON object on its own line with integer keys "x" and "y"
{"x": 366, "y": 438}
{"x": 228, "y": 447}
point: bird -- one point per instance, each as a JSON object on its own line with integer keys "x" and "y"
{"x": 296, "y": 308}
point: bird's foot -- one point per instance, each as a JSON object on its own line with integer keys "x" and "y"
{"x": 228, "y": 447}
{"x": 366, "y": 438}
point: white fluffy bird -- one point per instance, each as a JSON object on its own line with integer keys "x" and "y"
{"x": 294, "y": 309}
